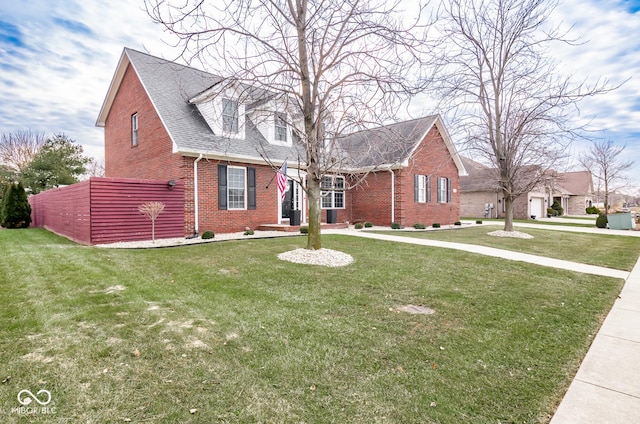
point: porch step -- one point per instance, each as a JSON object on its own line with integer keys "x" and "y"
{"x": 295, "y": 228}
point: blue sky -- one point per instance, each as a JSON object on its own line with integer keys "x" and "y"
{"x": 57, "y": 59}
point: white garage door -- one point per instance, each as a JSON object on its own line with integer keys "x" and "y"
{"x": 536, "y": 207}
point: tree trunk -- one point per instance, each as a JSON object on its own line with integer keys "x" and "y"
{"x": 313, "y": 191}
{"x": 508, "y": 213}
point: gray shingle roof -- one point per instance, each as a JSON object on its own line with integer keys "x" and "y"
{"x": 387, "y": 145}
{"x": 170, "y": 86}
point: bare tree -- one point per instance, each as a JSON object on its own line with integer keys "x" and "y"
{"x": 152, "y": 210}
{"x": 18, "y": 148}
{"x": 338, "y": 66}
{"x": 513, "y": 105}
{"x": 607, "y": 166}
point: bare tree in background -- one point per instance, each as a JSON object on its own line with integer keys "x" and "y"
{"x": 514, "y": 106}
{"x": 607, "y": 166}
{"x": 18, "y": 148}
{"x": 152, "y": 210}
{"x": 339, "y": 65}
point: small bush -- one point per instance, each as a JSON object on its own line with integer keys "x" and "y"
{"x": 419, "y": 226}
{"x": 15, "y": 210}
{"x": 592, "y": 210}
{"x": 208, "y": 235}
{"x": 458, "y": 223}
{"x": 248, "y": 232}
{"x": 601, "y": 221}
{"x": 304, "y": 230}
{"x": 436, "y": 225}
{"x": 479, "y": 221}
{"x": 395, "y": 226}
{"x": 559, "y": 210}
{"x": 368, "y": 225}
{"x": 358, "y": 226}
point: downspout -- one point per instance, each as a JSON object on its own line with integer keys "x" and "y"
{"x": 393, "y": 195}
{"x": 195, "y": 197}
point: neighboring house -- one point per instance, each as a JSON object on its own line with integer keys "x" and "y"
{"x": 481, "y": 196}
{"x": 167, "y": 121}
{"x": 574, "y": 191}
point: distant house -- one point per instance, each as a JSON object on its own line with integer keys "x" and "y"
{"x": 574, "y": 191}
{"x": 481, "y": 195}
{"x": 163, "y": 120}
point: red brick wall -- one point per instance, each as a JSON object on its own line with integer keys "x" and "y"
{"x": 372, "y": 201}
{"x": 225, "y": 221}
{"x": 152, "y": 157}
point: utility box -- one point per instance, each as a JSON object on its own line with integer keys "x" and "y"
{"x": 620, "y": 221}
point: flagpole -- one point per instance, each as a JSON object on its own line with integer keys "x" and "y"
{"x": 274, "y": 175}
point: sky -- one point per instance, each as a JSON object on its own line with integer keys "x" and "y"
{"x": 57, "y": 59}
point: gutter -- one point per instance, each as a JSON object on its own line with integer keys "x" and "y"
{"x": 393, "y": 195}
{"x": 195, "y": 197}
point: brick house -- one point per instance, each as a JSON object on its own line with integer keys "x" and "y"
{"x": 481, "y": 196}
{"x": 163, "y": 120}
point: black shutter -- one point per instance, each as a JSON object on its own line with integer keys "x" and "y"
{"x": 222, "y": 186}
{"x": 448, "y": 190}
{"x": 428, "y": 188}
{"x": 251, "y": 184}
{"x": 416, "y": 185}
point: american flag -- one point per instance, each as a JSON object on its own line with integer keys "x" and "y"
{"x": 281, "y": 180}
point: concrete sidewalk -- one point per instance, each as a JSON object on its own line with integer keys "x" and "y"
{"x": 606, "y": 389}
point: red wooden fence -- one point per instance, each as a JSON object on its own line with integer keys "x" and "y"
{"x": 105, "y": 210}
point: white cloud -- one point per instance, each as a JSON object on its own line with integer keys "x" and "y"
{"x": 57, "y": 60}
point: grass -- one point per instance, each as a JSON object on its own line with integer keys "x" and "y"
{"x": 594, "y": 249}
{"x": 228, "y": 333}
{"x": 558, "y": 220}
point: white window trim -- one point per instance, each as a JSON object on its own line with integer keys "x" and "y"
{"x": 245, "y": 189}
{"x": 235, "y": 118}
{"x": 331, "y": 193}
{"x": 134, "y": 129}
{"x": 443, "y": 190}
{"x": 422, "y": 189}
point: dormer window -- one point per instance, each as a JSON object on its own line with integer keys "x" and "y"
{"x": 280, "y": 129}
{"x": 230, "y": 116}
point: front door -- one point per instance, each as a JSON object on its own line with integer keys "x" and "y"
{"x": 293, "y": 201}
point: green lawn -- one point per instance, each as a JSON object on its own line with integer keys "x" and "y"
{"x": 558, "y": 220}
{"x": 594, "y": 249}
{"x": 232, "y": 334}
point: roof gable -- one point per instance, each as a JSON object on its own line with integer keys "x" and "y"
{"x": 393, "y": 145}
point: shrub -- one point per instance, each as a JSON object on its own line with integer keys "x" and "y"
{"x": 479, "y": 221}
{"x": 368, "y": 225}
{"x": 358, "y": 226}
{"x": 16, "y": 210}
{"x": 559, "y": 210}
{"x": 458, "y": 223}
{"x": 208, "y": 235}
{"x": 601, "y": 221}
{"x": 419, "y": 226}
{"x": 248, "y": 232}
{"x": 592, "y": 210}
{"x": 436, "y": 225}
{"x": 304, "y": 230}
{"x": 395, "y": 226}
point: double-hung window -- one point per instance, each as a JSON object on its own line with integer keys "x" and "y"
{"x": 229, "y": 116}
{"x": 422, "y": 188}
{"x": 236, "y": 187}
{"x": 332, "y": 190}
{"x": 280, "y": 126}
{"x": 134, "y": 129}
{"x": 444, "y": 190}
